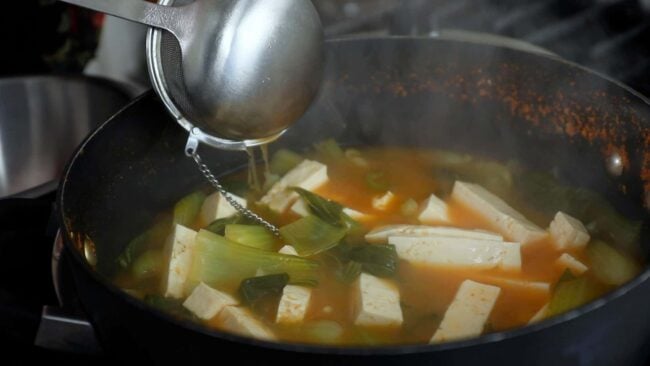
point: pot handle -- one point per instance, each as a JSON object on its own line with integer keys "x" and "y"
{"x": 27, "y": 230}
{"x": 60, "y": 330}
{"x": 64, "y": 328}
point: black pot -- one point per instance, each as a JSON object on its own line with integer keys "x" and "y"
{"x": 549, "y": 114}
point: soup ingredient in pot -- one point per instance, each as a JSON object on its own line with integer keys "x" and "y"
{"x": 382, "y": 246}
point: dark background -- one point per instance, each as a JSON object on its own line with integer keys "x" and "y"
{"x": 46, "y": 36}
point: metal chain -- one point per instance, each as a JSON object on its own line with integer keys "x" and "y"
{"x": 241, "y": 209}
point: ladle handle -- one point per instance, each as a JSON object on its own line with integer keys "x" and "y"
{"x": 169, "y": 18}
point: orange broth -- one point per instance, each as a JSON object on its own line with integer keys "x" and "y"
{"x": 426, "y": 291}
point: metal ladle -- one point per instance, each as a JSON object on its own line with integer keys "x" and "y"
{"x": 247, "y": 69}
{"x": 236, "y": 74}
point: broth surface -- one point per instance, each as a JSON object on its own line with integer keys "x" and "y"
{"x": 425, "y": 291}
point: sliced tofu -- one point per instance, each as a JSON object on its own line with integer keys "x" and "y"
{"x": 288, "y": 250}
{"x": 461, "y": 252}
{"x": 383, "y": 203}
{"x": 433, "y": 210}
{"x": 206, "y": 302}
{"x": 539, "y": 315}
{"x": 380, "y": 235}
{"x": 309, "y": 175}
{"x": 356, "y": 215}
{"x": 377, "y": 302}
{"x": 521, "y": 285}
{"x": 567, "y": 261}
{"x": 294, "y": 304}
{"x": 216, "y": 207}
{"x": 241, "y": 321}
{"x": 568, "y": 232}
{"x": 498, "y": 213}
{"x": 468, "y": 312}
{"x": 180, "y": 247}
{"x": 300, "y": 208}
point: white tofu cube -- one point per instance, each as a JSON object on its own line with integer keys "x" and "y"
{"x": 468, "y": 312}
{"x": 294, "y": 304}
{"x": 568, "y": 232}
{"x": 433, "y": 210}
{"x": 300, "y": 208}
{"x": 241, "y": 321}
{"x": 458, "y": 252}
{"x": 380, "y": 235}
{"x": 180, "y": 247}
{"x": 383, "y": 203}
{"x": 288, "y": 250}
{"x": 377, "y": 302}
{"x": 539, "y": 315}
{"x": 216, "y": 207}
{"x": 498, "y": 213}
{"x": 356, "y": 215}
{"x": 206, "y": 302}
{"x": 309, "y": 175}
{"x": 567, "y": 261}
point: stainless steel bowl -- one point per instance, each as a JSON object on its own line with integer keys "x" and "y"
{"x": 42, "y": 120}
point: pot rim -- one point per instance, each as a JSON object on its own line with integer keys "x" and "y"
{"x": 389, "y": 350}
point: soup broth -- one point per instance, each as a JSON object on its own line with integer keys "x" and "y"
{"x": 400, "y": 291}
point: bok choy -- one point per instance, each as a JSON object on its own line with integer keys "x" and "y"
{"x": 254, "y": 289}
{"x": 187, "y": 209}
{"x": 545, "y": 193}
{"x": 254, "y": 236}
{"x": 327, "y": 210}
{"x": 283, "y": 161}
{"x": 219, "y": 226}
{"x": 377, "y": 260}
{"x": 154, "y": 236}
{"x": 311, "y": 235}
{"x": 134, "y": 248}
{"x": 329, "y": 149}
{"x": 149, "y": 264}
{"x": 324, "y": 331}
{"x": 572, "y": 293}
{"x": 322, "y": 230}
{"x": 609, "y": 265}
{"x": 349, "y": 272}
{"x": 449, "y": 167}
{"x": 409, "y": 208}
{"x": 220, "y": 262}
{"x": 377, "y": 181}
